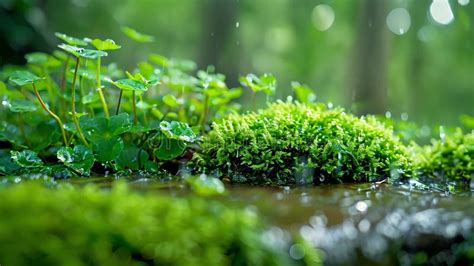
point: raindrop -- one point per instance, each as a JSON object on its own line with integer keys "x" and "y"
{"x": 388, "y": 114}
{"x": 463, "y": 2}
{"x": 404, "y": 116}
{"x": 297, "y": 251}
{"x": 80, "y": 50}
{"x": 322, "y": 17}
{"x": 330, "y": 105}
{"x": 442, "y": 134}
{"x": 237, "y": 24}
{"x": 399, "y": 21}
{"x": 361, "y": 206}
{"x": 441, "y": 12}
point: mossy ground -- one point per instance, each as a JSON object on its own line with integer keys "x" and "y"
{"x": 288, "y": 142}
{"x": 88, "y": 226}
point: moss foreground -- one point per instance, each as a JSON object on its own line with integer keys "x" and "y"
{"x": 289, "y": 143}
{"x": 88, "y": 226}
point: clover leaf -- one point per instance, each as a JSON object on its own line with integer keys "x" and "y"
{"x": 79, "y": 159}
{"x": 137, "y": 36}
{"x": 22, "y": 78}
{"x": 70, "y": 40}
{"x": 26, "y": 158}
{"x": 82, "y": 52}
{"x": 130, "y": 85}
{"x": 108, "y": 44}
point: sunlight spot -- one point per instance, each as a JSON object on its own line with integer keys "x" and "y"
{"x": 322, "y": 17}
{"x": 399, "y": 21}
{"x": 441, "y": 12}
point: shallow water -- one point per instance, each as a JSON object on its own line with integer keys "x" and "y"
{"x": 353, "y": 224}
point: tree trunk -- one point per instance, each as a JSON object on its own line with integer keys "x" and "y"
{"x": 368, "y": 75}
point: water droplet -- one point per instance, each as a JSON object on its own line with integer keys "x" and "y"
{"x": 364, "y": 226}
{"x": 404, "y": 116}
{"x": 361, "y": 206}
{"x": 463, "y": 2}
{"x": 297, "y": 251}
{"x": 398, "y": 21}
{"x": 442, "y": 134}
{"x": 330, "y": 105}
{"x": 237, "y": 24}
{"x": 388, "y": 114}
{"x": 441, "y": 12}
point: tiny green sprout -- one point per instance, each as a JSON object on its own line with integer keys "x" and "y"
{"x": 22, "y": 78}
{"x": 266, "y": 83}
{"x": 137, "y": 36}
{"x": 303, "y": 93}
{"x": 70, "y": 40}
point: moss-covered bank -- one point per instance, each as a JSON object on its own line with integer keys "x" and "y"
{"x": 88, "y": 226}
{"x": 289, "y": 143}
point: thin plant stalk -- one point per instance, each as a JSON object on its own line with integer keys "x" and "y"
{"x": 73, "y": 106}
{"x": 134, "y": 106}
{"x": 119, "y": 101}
{"x": 254, "y": 100}
{"x": 205, "y": 110}
{"x": 63, "y": 87}
{"x": 99, "y": 89}
{"x": 22, "y": 129}
{"x": 58, "y": 120}
{"x": 145, "y": 119}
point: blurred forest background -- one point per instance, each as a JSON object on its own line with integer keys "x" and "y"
{"x": 413, "y": 58}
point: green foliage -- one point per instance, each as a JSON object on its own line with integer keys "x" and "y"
{"x": 448, "y": 158}
{"x": 70, "y": 40}
{"x": 22, "y": 78}
{"x": 82, "y": 52}
{"x": 206, "y": 185}
{"x": 291, "y": 143}
{"x": 88, "y": 226}
{"x": 26, "y": 158}
{"x": 137, "y": 36}
{"x": 79, "y": 159}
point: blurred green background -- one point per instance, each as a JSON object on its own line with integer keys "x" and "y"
{"x": 408, "y": 59}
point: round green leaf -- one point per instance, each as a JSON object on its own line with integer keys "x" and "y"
{"x": 22, "y": 106}
{"x": 22, "y": 78}
{"x": 82, "y": 52}
{"x": 108, "y": 150}
{"x": 105, "y": 45}
{"x": 26, "y": 158}
{"x": 137, "y": 36}
{"x": 169, "y": 149}
{"x": 70, "y": 40}
{"x": 177, "y": 131}
{"x": 80, "y": 159}
{"x": 130, "y": 85}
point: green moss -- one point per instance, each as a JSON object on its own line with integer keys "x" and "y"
{"x": 290, "y": 143}
{"x": 451, "y": 158}
{"x": 88, "y": 226}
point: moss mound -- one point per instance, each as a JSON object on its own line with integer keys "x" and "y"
{"x": 451, "y": 158}
{"x": 289, "y": 143}
{"x": 41, "y": 226}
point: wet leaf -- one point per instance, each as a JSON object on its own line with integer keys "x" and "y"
{"x": 206, "y": 185}
{"x": 169, "y": 149}
{"x": 7, "y": 166}
{"x": 130, "y": 85}
{"x": 22, "y": 106}
{"x": 108, "y": 149}
{"x": 108, "y": 44}
{"x": 178, "y": 131}
{"x": 128, "y": 158}
{"x": 82, "y": 52}
{"x": 70, "y": 40}
{"x": 26, "y": 158}
{"x": 137, "y": 36}
{"x": 79, "y": 159}
{"x": 22, "y": 78}
{"x": 265, "y": 83}
{"x": 101, "y": 128}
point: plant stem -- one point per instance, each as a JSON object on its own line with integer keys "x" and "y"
{"x": 63, "y": 87}
{"x": 254, "y": 100}
{"x": 118, "y": 103}
{"x": 22, "y": 129}
{"x": 205, "y": 110}
{"x": 135, "y": 117}
{"x": 99, "y": 89}
{"x": 145, "y": 119}
{"x": 73, "y": 106}
{"x": 61, "y": 126}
